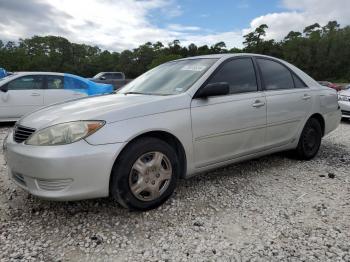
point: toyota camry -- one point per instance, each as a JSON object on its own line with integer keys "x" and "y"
{"x": 174, "y": 121}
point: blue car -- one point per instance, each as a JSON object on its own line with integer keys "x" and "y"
{"x": 78, "y": 84}
{"x": 2, "y": 72}
{"x": 21, "y": 93}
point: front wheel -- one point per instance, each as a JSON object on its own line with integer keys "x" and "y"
{"x": 310, "y": 140}
{"x": 145, "y": 175}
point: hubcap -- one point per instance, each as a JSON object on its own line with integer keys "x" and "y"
{"x": 150, "y": 176}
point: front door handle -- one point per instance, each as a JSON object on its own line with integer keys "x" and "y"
{"x": 306, "y": 97}
{"x": 35, "y": 94}
{"x": 258, "y": 103}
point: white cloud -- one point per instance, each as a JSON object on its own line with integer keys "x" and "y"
{"x": 178, "y": 27}
{"x": 113, "y": 25}
{"x": 110, "y": 24}
{"x": 231, "y": 39}
{"x": 125, "y": 24}
{"x": 301, "y": 13}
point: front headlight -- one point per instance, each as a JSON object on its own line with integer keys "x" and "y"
{"x": 343, "y": 98}
{"x": 62, "y": 134}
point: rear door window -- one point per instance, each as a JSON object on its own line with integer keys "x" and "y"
{"x": 275, "y": 75}
{"x": 54, "y": 82}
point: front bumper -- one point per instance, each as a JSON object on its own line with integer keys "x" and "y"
{"x": 66, "y": 172}
{"x": 345, "y": 108}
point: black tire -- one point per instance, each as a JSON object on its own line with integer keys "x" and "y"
{"x": 120, "y": 188}
{"x": 310, "y": 140}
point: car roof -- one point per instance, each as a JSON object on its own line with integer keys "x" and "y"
{"x": 110, "y": 72}
{"x": 219, "y": 56}
{"x": 37, "y": 73}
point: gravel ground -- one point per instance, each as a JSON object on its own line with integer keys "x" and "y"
{"x": 270, "y": 209}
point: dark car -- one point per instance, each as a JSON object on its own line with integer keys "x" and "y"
{"x": 117, "y": 79}
{"x": 330, "y": 85}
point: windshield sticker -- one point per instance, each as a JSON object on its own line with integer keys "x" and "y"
{"x": 196, "y": 68}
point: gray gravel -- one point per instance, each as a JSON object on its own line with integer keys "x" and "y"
{"x": 270, "y": 209}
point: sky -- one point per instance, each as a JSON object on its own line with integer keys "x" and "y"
{"x": 117, "y": 25}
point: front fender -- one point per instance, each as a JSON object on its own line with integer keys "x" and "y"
{"x": 177, "y": 123}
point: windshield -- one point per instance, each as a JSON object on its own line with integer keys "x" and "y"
{"x": 169, "y": 78}
{"x": 98, "y": 75}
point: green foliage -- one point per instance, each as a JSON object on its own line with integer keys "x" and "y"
{"x": 322, "y": 52}
{"x": 57, "y": 54}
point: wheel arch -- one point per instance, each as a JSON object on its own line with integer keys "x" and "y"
{"x": 321, "y": 120}
{"x": 167, "y": 137}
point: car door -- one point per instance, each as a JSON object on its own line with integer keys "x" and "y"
{"x": 109, "y": 78}
{"x": 21, "y": 96}
{"x": 117, "y": 80}
{"x": 230, "y": 126}
{"x": 288, "y": 102}
{"x": 60, "y": 88}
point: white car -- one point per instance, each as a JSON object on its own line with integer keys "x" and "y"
{"x": 344, "y": 102}
{"x": 179, "y": 119}
{"x": 24, "y": 92}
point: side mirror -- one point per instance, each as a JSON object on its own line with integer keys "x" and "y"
{"x": 102, "y": 78}
{"x": 4, "y": 88}
{"x": 214, "y": 89}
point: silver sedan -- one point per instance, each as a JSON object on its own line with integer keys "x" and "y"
{"x": 344, "y": 102}
{"x": 174, "y": 121}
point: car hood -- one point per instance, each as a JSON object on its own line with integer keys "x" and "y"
{"x": 110, "y": 108}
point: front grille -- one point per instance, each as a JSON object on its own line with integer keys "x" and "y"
{"x": 53, "y": 185}
{"x": 19, "y": 178}
{"x": 344, "y": 112}
{"x": 21, "y": 133}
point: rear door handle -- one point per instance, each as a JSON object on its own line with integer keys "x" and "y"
{"x": 258, "y": 103}
{"x": 35, "y": 94}
{"x": 306, "y": 97}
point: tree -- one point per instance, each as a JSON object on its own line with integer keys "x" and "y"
{"x": 293, "y": 35}
{"x": 253, "y": 39}
{"x": 192, "y": 50}
{"x": 218, "y": 48}
{"x": 312, "y": 30}
{"x": 323, "y": 52}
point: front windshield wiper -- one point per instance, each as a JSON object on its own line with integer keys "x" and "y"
{"x": 140, "y": 93}
{"x": 135, "y": 93}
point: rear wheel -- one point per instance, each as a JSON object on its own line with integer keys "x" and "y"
{"x": 145, "y": 174}
{"x": 310, "y": 140}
